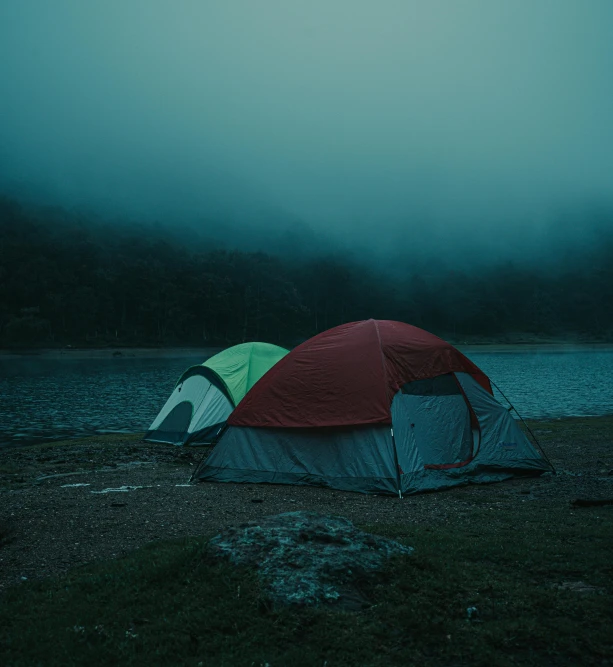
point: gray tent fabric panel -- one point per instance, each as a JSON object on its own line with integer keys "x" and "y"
{"x": 214, "y": 409}
{"x": 422, "y": 481}
{"x": 503, "y": 451}
{"x": 503, "y": 444}
{"x": 174, "y": 426}
{"x": 193, "y": 389}
{"x": 431, "y": 430}
{"x": 353, "y": 459}
{"x": 208, "y": 406}
{"x": 206, "y": 436}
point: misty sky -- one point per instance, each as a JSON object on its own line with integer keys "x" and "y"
{"x": 421, "y": 118}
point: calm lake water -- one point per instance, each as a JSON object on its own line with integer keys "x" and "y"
{"x": 43, "y": 399}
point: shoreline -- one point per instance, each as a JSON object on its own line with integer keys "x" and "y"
{"x": 534, "y": 347}
{"x": 110, "y": 353}
{"x": 121, "y": 352}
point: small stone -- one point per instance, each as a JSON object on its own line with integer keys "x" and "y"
{"x": 472, "y": 613}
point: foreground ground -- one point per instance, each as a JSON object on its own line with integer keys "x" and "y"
{"x": 537, "y": 568}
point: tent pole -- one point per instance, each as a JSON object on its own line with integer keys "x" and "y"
{"x": 396, "y": 463}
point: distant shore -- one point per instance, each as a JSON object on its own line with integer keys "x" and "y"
{"x": 532, "y": 347}
{"x": 111, "y": 352}
{"x": 120, "y": 352}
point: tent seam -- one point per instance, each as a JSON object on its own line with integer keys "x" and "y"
{"x": 249, "y": 369}
{"x": 389, "y": 409}
{"x": 382, "y": 364}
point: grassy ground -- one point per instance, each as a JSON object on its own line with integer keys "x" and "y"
{"x": 538, "y": 571}
{"x": 167, "y": 604}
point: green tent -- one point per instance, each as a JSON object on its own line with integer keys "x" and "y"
{"x": 241, "y": 366}
{"x": 206, "y": 394}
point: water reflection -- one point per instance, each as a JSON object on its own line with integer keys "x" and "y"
{"x": 52, "y": 399}
{"x": 553, "y": 384}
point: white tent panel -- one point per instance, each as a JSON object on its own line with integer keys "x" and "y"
{"x": 195, "y": 405}
{"x": 193, "y": 390}
{"x": 215, "y": 408}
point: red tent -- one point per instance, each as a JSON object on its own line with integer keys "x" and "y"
{"x": 375, "y": 407}
{"x": 348, "y": 376}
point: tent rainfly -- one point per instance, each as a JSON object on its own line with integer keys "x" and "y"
{"x": 377, "y": 407}
{"x": 205, "y": 395}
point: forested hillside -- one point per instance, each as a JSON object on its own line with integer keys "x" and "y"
{"x": 69, "y": 281}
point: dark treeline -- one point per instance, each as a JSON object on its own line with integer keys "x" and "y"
{"x": 68, "y": 281}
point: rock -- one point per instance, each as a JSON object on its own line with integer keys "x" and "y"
{"x": 305, "y": 558}
{"x": 472, "y": 613}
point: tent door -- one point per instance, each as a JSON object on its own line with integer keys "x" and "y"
{"x": 432, "y": 425}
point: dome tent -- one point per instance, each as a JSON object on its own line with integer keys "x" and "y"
{"x": 372, "y": 406}
{"x": 206, "y": 394}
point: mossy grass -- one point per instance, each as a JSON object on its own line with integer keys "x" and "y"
{"x": 169, "y": 604}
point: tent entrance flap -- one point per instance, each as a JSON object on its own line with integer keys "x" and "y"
{"x": 176, "y": 423}
{"x": 431, "y": 424}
